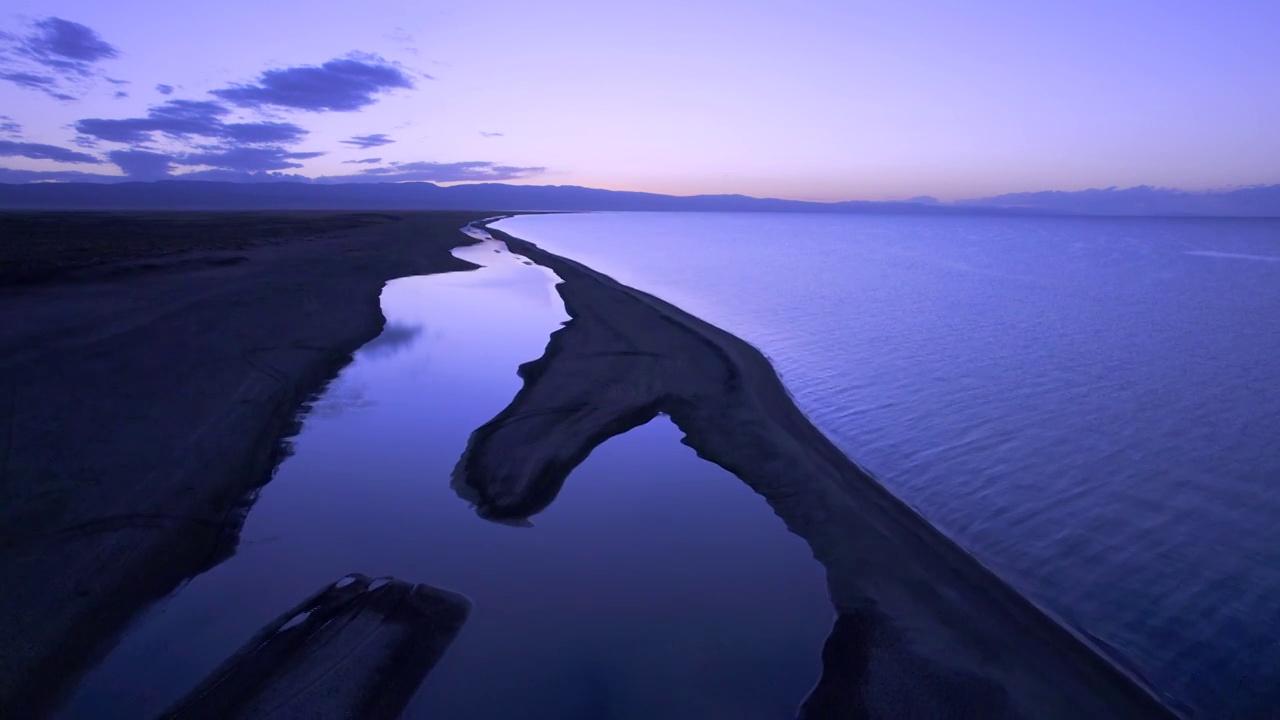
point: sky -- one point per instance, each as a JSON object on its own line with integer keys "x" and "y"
{"x": 803, "y": 99}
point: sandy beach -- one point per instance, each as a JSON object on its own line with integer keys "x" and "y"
{"x": 150, "y": 364}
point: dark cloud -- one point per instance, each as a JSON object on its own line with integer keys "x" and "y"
{"x": 11, "y": 175}
{"x": 363, "y": 161}
{"x": 176, "y": 118}
{"x": 344, "y": 84}
{"x": 189, "y": 118}
{"x": 263, "y": 132}
{"x": 243, "y": 167}
{"x": 39, "y": 151}
{"x": 142, "y": 164}
{"x": 66, "y": 45}
{"x": 30, "y": 81}
{"x": 491, "y": 134}
{"x": 164, "y": 89}
{"x": 53, "y": 54}
{"x": 248, "y": 159}
{"x": 121, "y": 94}
{"x": 9, "y": 126}
{"x": 364, "y": 142}
{"x": 473, "y": 171}
{"x": 235, "y": 163}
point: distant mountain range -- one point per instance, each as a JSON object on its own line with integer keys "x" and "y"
{"x": 1257, "y": 201}
{"x": 1262, "y": 201}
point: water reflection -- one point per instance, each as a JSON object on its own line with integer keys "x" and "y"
{"x": 659, "y": 586}
{"x": 395, "y": 337}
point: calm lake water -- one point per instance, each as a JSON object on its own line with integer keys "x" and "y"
{"x": 653, "y": 569}
{"x": 1089, "y": 405}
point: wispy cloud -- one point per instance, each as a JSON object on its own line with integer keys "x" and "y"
{"x": 470, "y": 171}
{"x": 9, "y": 126}
{"x": 186, "y": 118}
{"x": 364, "y": 142}
{"x": 363, "y": 161}
{"x": 491, "y": 134}
{"x": 339, "y": 85}
{"x": 249, "y": 159}
{"x": 12, "y": 175}
{"x": 40, "y": 151}
{"x": 54, "y": 54}
{"x": 164, "y": 89}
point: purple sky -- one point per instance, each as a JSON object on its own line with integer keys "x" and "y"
{"x": 821, "y": 100}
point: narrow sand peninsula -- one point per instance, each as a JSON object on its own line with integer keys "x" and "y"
{"x": 150, "y": 364}
{"x": 923, "y": 629}
{"x": 358, "y": 648}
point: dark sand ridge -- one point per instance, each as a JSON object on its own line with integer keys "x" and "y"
{"x": 923, "y": 629}
{"x": 149, "y": 366}
{"x": 358, "y": 648}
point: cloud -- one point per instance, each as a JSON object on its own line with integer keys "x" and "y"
{"x": 339, "y": 85}
{"x": 491, "y": 134}
{"x": 251, "y": 165}
{"x": 188, "y": 118}
{"x": 226, "y": 163}
{"x": 471, "y": 171}
{"x": 17, "y": 177}
{"x": 248, "y": 159}
{"x": 263, "y": 132}
{"x": 121, "y": 94}
{"x": 364, "y": 142}
{"x": 54, "y": 53}
{"x": 9, "y": 126}
{"x": 142, "y": 164}
{"x": 66, "y": 45}
{"x": 164, "y": 89}
{"x": 364, "y": 161}
{"x": 39, "y": 151}
{"x": 31, "y": 81}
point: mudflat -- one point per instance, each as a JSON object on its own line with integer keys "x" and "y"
{"x": 150, "y": 364}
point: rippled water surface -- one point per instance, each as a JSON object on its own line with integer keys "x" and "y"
{"x": 656, "y": 586}
{"x": 1089, "y": 405}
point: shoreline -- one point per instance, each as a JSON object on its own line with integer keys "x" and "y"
{"x": 910, "y": 602}
{"x": 145, "y": 399}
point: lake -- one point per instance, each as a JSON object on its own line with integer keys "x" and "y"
{"x": 1089, "y": 405}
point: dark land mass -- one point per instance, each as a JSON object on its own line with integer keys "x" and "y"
{"x": 358, "y": 648}
{"x": 205, "y": 195}
{"x": 149, "y": 366}
{"x": 295, "y": 194}
{"x": 923, "y": 629}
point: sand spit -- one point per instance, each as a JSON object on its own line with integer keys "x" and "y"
{"x": 358, "y": 648}
{"x": 150, "y": 364}
{"x": 923, "y": 629}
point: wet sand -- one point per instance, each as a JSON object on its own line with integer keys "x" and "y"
{"x": 923, "y": 629}
{"x": 150, "y": 364}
